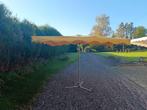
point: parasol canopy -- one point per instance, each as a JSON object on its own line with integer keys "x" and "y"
{"x": 65, "y": 40}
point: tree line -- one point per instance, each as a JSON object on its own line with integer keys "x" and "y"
{"x": 16, "y": 47}
{"x": 124, "y": 29}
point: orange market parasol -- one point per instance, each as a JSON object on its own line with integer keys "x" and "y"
{"x": 59, "y": 40}
{"x": 65, "y": 40}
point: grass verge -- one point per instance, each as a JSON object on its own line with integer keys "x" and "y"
{"x": 19, "y": 88}
{"x": 126, "y": 56}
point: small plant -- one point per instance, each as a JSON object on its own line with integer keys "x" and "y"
{"x": 63, "y": 58}
{"x": 1, "y": 85}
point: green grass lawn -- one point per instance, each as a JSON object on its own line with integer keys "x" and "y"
{"x": 19, "y": 88}
{"x": 127, "y": 56}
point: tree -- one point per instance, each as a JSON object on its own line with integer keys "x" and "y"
{"x": 139, "y": 31}
{"x": 125, "y": 30}
{"x": 47, "y": 30}
{"x": 129, "y": 29}
{"x": 16, "y": 47}
{"x": 121, "y": 31}
{"x": 102, "y": 27}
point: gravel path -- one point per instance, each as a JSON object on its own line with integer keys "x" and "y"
{"x": 110, "y": 90}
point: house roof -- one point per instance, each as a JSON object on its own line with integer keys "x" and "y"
{"x": 140, "y": 41}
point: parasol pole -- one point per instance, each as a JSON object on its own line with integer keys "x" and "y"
{"x": 78, "y": 51}
{"x": 79, "y": 82}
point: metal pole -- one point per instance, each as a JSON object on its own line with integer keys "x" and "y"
{"x": 79, "y": 82}
{"x": 78, "y": 49}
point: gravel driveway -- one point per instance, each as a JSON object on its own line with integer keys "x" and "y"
{"x": 110, "y": 90}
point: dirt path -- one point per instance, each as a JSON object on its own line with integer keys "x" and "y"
{"x": 110, "y": 90}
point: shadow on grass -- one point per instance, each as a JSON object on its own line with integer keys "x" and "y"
{"x": 19, "y": 88}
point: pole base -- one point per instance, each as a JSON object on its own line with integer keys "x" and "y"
{"x": 79, "y": 85}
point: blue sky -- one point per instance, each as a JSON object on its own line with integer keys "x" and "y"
{"x": 72, "y": 17}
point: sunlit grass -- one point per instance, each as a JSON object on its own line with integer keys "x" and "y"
{"x": 128, "y": 56}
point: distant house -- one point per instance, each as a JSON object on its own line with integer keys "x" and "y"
{"x": 140, "y": 41}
